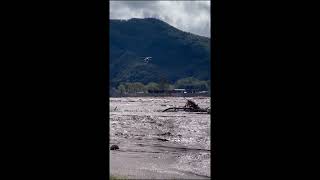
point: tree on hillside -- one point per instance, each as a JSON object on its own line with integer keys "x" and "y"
{"x": 138, "y": 87}
{"x": 191, "y": 83}
{"x": 131, "y": 87}
{"x": 164, "y": 84}
{"x": 152, "y": 86}
{"x": 122, "y": 89}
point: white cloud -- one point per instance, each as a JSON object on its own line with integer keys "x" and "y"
{"x": 190, "y": 16}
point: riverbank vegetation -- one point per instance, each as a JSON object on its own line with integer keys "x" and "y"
{"x": 189, "y": 84}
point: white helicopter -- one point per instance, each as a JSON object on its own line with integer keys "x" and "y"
{"x": 147, "y": 59}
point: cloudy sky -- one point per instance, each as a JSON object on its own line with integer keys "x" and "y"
{"x": 189, "y": 16}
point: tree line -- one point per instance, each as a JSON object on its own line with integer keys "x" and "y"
{"x": 189, "y": 83}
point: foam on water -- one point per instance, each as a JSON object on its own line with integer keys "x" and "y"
{"x": 139, "y": 126}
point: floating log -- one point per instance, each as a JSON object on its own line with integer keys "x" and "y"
{"x": 185, "y": 109}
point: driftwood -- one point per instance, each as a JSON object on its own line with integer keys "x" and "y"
{"x": 185, "y": 109}
{"x": 192, "y": 105}
{"x": 189, "y": 107}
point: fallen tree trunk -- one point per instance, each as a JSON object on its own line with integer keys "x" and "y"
{"x": 185, "y": 109}
{"x": 189, "y": 107}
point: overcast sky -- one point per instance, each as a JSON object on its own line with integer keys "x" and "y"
{"x": 189, "y": 16}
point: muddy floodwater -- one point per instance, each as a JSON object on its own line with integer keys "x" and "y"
{"x": 159, "y": 145}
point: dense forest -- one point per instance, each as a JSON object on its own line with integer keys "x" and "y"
{"x": 176, "y": 55}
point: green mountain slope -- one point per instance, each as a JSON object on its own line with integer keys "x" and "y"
{"x": 175, "y": 54}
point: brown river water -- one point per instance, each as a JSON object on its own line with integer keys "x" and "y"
{"x": 158, "y": 145}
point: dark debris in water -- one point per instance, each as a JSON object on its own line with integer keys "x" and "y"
{"x": 114, "y": 147}
{"x": 165, "y": 134}
{"x": 118, "y": 134}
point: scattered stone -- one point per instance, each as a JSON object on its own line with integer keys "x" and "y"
{"x": 114, "y": 147}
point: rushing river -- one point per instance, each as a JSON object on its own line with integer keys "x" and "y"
{"x": 176, "y": 142}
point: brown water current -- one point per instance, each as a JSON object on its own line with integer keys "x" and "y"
{"x": 155, "y": 144}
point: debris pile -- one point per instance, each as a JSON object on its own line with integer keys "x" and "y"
{"x": 190, "y": 106}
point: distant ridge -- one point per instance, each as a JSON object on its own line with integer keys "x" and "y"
{"x": 175, "y": 54}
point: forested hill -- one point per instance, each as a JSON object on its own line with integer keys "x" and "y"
{"x": 175, "y": 54}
